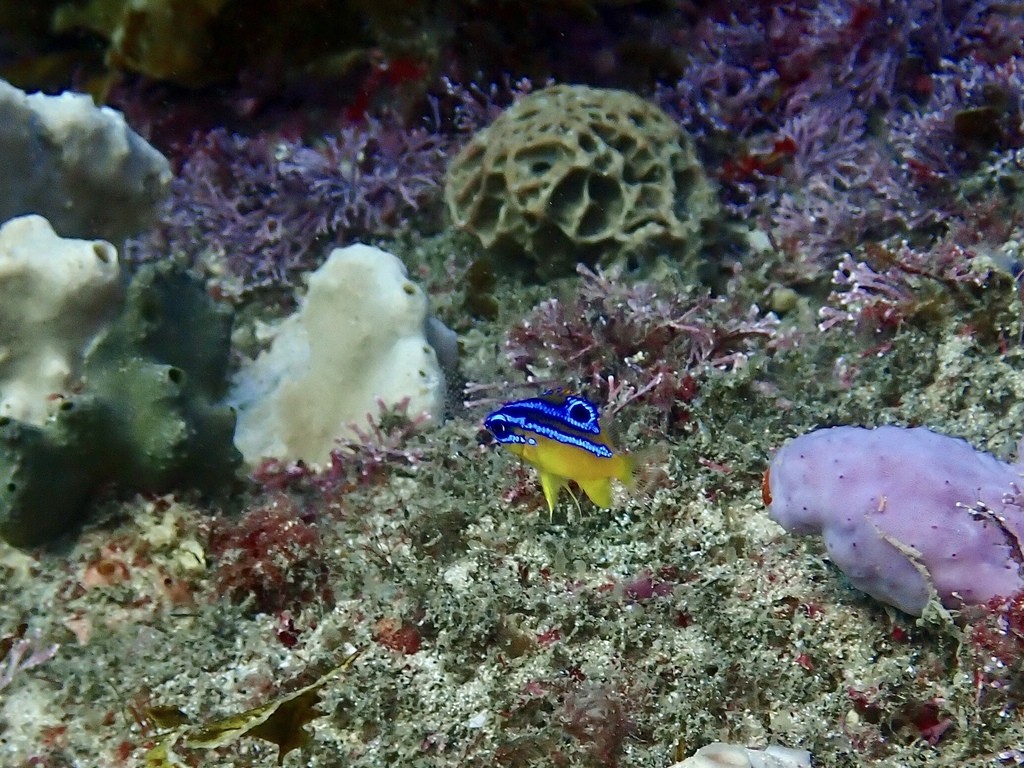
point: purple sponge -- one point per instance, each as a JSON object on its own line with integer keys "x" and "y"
{"x": 904, "y": 510}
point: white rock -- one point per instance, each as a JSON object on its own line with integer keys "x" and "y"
{"x": 359, "y": 335}
{"x": 78, "y": 165}
{"x": 56, "y": 295}
{"x": 718, "y": 755}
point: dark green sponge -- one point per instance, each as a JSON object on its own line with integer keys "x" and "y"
{"x": 147, "y": 418}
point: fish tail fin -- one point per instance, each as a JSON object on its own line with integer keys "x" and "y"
{"x": 644, "y": 470}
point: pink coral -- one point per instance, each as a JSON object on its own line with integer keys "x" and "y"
{"x": 904, "y": 513}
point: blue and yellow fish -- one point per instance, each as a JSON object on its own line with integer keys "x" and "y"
{"x": 561, "y": 435}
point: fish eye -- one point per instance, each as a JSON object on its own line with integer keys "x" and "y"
{"x": 499, "y": 429}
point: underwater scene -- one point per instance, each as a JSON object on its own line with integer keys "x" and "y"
{"x": 556, "y": 383}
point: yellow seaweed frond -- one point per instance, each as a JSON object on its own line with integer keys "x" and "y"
{"x": 282, "y": 722}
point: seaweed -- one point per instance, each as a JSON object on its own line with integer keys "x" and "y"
{"x": 281, "y": 721}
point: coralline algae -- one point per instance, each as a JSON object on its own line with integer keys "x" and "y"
{"x": 904, "y": 512}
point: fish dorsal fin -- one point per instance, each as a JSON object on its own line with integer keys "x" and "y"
{"x": 612, "y": 431}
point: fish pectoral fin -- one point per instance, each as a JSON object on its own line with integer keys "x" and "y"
{"x": 598, "y": 491}
{"x": 552, "y": 485}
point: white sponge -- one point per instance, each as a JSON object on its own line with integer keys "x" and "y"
{"x": 56, "y": 295}
{"x": 359, "y": 335}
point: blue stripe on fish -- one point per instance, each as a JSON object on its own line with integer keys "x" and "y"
{"x": 565, "y": 419}
{"x": 573, "y": 411}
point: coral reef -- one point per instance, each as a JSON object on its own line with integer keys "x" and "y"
{"x": 495, "y": 636}
{"x": 79, "y": 166}
{"x": 145, "y": 418}
{"x": 869, "y": 151}
{"x": 359, "y": 338}
{"x": 574, "y": 174}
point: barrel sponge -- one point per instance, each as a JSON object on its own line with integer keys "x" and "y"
{"x": 78, "y": 165}
{"x": 574, "y": 174}
{"x": 56, "y": 296}
{"x": 904, "y": 513}
{"x": 358, "y": 338}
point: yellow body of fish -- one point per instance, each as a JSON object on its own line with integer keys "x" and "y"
{"x": 559, "y": 464}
